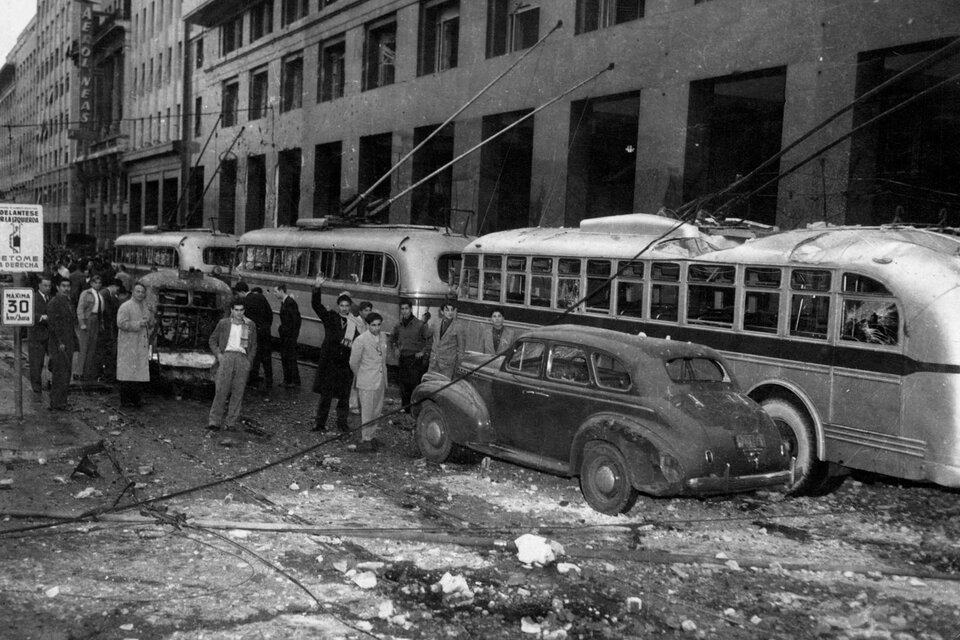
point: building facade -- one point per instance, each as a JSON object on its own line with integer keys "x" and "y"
{"x": 253, "y": 113}
{"x": 300, "y": 105}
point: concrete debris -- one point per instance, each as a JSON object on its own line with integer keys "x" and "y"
{"x": 342, "y": 566}
{"x": 294, "y": 486}
{"x": 370, "y": 566}
{"x": 6, "y": 483}
{"x": 755, "y": 620}
{"x": 89, "y": 492}
{"x": 733, "y": 565}
{"x": 634, "y": 604}
{"x": 689, "y": 626}
{"x": 365, "y": 580}
{"x": 537, "y": 550}
{"x": 567, "y": 567}
{"x": 528, "y": 625}
{"x": 453, "y": 586}
{"x": 386, "y": 610}
{"x": 238, "y": 533}
{"x": 52, "y": 592}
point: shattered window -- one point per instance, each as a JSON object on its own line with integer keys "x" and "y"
{"x": 569, "y": 364}
{"x": 871, "y": 321}
{"x": 611, "y": 374}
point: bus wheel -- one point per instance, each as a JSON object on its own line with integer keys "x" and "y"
{"x": 796, "y": 429}
{"x": 433, "y": 437}
{"x": 604, "y": 480}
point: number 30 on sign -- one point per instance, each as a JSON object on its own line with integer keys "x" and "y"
{"x": 17, "y": 306}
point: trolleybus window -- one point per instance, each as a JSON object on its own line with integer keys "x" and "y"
{"x": 761, "y": 305}
{"x": 448, "y": 268}
{"x": 869, "y": 314}
{"x": 218, "y": 256}
{"x": 492, "y": 277}
{"x": 664, "y": 298}
{"x": 809, "y": 313}
{"x": 598, "y": 285}
{"x": 469, "y": 288}
{"x": 710, "y": 300}
{"x": 372, "y": 272}
{"x": 630, "y": 289}
{"x": 516, "y": 279}
{"x": 568, "y": 282}
{"x": 541, "y": 281}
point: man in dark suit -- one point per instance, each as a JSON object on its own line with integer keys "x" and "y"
{"x": 257, "y": 308}
{"x": 289, "y": 334}
{"x": 62, "y": 322}
{"x": 39, "y": 334}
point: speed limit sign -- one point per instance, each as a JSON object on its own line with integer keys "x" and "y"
{"x": 17, "y": 306}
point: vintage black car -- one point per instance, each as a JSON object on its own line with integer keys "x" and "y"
{"x": 626, "y": 414}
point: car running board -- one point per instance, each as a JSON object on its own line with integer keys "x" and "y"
{"x": 524, "y": 458}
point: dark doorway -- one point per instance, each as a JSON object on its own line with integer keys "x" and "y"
{"x": 256, "y": 192}
{"x": 151, "y": 202}
{"x": 602, "y": 163}
{"x": 288, "y": 187}
{"x": 735, "y": 123}
{"x": 505, "y": 173}
{"x": 431, "y": 202}
{"x": 194, "y": 217}
{"x": 227, "y": 209}
{"x": 375, "y": 162}
{"x": 326, "y": 179}
{"x": 908, "y": 162}
{"x": 171, "y": 196}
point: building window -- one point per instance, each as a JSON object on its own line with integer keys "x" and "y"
{"x": 439, "y": 35}
{"x": 512, "y": 25}
{"x": 292, "y": 10}
{"x": 258, "y": 93}
{"x": 291, "y": 83}
{"x": 232, "y": 34}
{"x": 231, "y": 93}
{"x": 330, "y": 82}
{"x": 199, "y": 53}
{"x": 261, "y": 20}
{"x": 380, "y": 53}
{"x": 597, "y": 14}
{"x": 198, "y": 117}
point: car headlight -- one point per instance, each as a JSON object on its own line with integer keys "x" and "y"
{"x": 670, "y": 468}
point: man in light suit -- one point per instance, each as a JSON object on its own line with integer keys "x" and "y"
{"x": 90, "y": 311}
{"x": 368, "y": 361}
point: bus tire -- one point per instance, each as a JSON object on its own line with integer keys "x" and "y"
{"x": 433, "y": 436}
{"x": 812, "y": 475}
{"x": 604, "y": 480}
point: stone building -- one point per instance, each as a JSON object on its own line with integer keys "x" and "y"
{"x": 306, "y": 104}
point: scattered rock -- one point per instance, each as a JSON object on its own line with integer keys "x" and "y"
{"x": 537, "y": 550}
{"x": 365, "y": 580}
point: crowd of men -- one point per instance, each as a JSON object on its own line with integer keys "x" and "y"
{"x": 83, "y": 309}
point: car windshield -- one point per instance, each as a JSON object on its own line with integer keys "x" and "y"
{"x": 696, "y": 370}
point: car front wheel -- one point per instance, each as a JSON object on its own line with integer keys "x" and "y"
{"x": 433, "y": 437}
{"x": 604, "y": 480}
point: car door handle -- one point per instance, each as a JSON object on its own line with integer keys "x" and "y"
{"x": 528, "y": 392}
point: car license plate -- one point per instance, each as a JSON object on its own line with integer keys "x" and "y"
{"x": 750, "y": 441}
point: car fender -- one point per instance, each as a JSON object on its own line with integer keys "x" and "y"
{"x": 642, "y": 443}
{"x": 464, "y": 411}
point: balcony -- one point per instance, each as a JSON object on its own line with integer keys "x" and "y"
{"x": 210, "y": 13}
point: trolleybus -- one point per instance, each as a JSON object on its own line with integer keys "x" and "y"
{"x": 205, "y": 250}
{"x": 376, "y": 263}
{"x": 846, "y": 335}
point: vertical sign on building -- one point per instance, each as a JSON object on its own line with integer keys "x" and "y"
{"x": 85, "y": 70}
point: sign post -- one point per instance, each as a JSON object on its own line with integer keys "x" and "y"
{"x": 21, "y": 251}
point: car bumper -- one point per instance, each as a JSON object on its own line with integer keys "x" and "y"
{"x": 731, "y": 484}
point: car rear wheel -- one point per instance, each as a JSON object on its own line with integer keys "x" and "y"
{"x": 812, "y": 476}
{"x": 433, "y": 437}
{"x": 604, "y": 480}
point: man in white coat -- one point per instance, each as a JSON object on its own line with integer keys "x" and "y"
{"x": 368, "y": 361}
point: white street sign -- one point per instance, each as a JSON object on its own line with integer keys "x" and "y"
{"x": 21, "y": 238}
{"x": 17, "y": 306}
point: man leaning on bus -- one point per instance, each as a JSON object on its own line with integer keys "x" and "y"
{"x": 413, "y": 340}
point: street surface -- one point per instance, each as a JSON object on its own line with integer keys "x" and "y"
{"x": 365, "y": 541}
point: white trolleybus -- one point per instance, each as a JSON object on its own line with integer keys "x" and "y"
{"x": 206, "y": 250}
{"x": 377, "y": 263}
{"x": 846, "y": 335}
